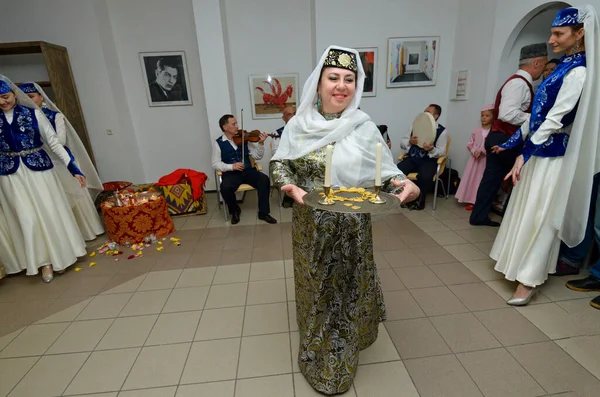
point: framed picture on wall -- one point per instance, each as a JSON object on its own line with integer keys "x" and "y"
{"x": 166, "y": 78}
{"x": 412, "y": 61}
{"x": 368, "y": 57}
{"x": 460, "y": 85}
{"x": 270, "y": 93}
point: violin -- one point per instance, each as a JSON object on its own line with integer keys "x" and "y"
{"x": 245, "y": 136}
{"x": 249, "y": 136}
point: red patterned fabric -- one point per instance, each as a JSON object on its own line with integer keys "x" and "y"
{"x": 196, "y": 178}
{"x": 133, "y": 223}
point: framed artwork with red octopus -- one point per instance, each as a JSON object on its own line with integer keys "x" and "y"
{"x": 271, "y": 93}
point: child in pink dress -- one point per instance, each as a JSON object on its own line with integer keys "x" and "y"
{"x": 467, "y": 190}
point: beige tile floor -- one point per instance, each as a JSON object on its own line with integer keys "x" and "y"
{"x": 216, "y": 317}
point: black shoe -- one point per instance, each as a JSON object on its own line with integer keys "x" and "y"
{"x": 564, "y": 269}
{"x": 487, "y": 222}
{"x": 595, "y": 303}
{"x": 587, "y": 284}
{"x": 235, "y": 218}
{"x": 267, "y": 218}
{"x": 238, "y": 210}
{"x": 414, "y": 206}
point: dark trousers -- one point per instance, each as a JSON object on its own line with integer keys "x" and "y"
{"x": 426, "y": 168}
{"x": 231, "y": 180}
{"x": 575, "y": 256}
{"x": 496, "y": 168}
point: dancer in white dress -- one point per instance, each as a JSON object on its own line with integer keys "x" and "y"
{"x": 41, "y": 225}
{"x": 81, "y": 200}
{"x": 556, "y": 178}
{"x": 8, "y": 254}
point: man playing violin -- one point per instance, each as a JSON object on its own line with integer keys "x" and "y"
{"x": 237, "y": 168}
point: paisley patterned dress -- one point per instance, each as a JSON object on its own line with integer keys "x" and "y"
{"x": 339, "y": 300}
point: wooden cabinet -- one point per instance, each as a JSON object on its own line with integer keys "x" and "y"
{"x": 56, "y": 60}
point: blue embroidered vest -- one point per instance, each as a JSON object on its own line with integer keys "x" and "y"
{"x": 21, "y": 136}
{"x": 279, "y": 131}
{"x": 229, "y": 155}
{"x": 416, "y": 152}
{"x": 543, "y": 101}
{"x": 51, "y": 116}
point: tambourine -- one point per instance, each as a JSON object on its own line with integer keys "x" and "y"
{"x": 424, "y": 128}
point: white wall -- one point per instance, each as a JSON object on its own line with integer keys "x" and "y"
{"x": 472, "y": 50}
{"x": 73, "y": 24}
{"x": 509, "y": 20}
{"x": 168, "y": 137}
{"x": 357, "y": 23}
{"x": 210, "y": 22}
{"x": 212, "y": 46}
{"x": 537, "y": 30}
{"x": 267, "y": 36}
{"x": 132, "y": 158}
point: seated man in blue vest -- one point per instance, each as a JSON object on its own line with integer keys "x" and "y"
{"x": 424, "y": 161}
{"x": 237, "y": 169}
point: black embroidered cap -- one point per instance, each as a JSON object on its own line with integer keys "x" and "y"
{"x": 341, "y": 59}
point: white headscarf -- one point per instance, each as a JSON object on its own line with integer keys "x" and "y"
{"x": 82, "y": 159}
{"x": 354, "y": 134}
{"x": 22, "y": 98}
{"x": 582, "y": 158}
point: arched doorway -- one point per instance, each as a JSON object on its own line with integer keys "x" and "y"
{"x": 532, "y": 28}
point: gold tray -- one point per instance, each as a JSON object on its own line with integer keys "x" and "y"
{"x": 312, "y": 199}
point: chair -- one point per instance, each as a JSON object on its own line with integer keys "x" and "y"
{"x": 243, "y": 187}
{"x": 441, "y": 166}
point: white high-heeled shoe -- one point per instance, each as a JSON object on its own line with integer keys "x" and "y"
{"x": 522, "y": 301}
{"x": 47, "y": 277}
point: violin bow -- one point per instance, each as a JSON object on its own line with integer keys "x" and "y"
{"x": 243, "y": 151}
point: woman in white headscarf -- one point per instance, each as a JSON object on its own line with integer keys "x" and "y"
{"x": 81, "y": 200}
{"x": 339, "y": 300}
{"x": 40, "y": 222}
{"x": 554, "y": 173}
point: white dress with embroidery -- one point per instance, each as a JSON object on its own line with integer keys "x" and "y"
{"x": 41, "y": 225}
{"x": 7, "y": 251}
{"x": 526, "y": 248}
{"x": 81, "y": 202}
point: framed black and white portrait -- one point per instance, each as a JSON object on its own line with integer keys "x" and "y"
{"x": 166, "y": 78}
